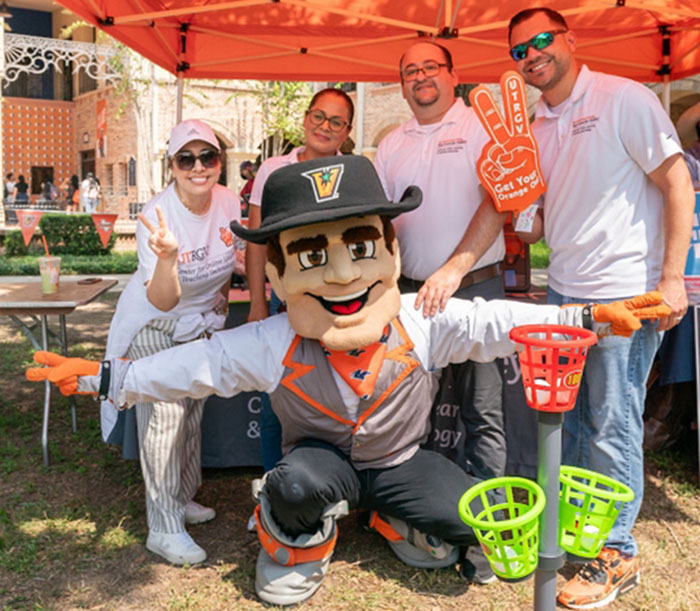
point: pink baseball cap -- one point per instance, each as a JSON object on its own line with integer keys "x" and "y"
{"x": 189, "y": 130}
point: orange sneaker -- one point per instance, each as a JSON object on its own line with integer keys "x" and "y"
{"x": 601, "y": 581}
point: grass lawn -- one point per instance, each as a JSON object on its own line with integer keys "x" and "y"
{"x": 539, "y": 255}
{"x": 72, "y": 536}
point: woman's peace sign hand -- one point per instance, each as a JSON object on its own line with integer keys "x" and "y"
{"x": 162, "y": 241}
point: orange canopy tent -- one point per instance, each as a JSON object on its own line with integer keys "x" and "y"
{"x": 361, "y": 40}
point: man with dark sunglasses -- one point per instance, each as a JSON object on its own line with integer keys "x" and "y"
{"x": 618, "y": 215}
{"x": 451, "y": 246}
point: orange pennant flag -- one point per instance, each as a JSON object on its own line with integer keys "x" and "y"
{"x": 509, "y": 166}
{"x": 28, "y": 220}
{"x": 104, "y": 223}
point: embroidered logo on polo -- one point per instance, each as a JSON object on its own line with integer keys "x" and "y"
{"x": 325, "y": 181}
{"x": 583, "y": 125}
{"x": 452, "y": 145}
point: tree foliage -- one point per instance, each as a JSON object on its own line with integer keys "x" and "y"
{"x": 282, "y": 105}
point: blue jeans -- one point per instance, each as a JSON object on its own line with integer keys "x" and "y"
{"x": 604, "y": 432}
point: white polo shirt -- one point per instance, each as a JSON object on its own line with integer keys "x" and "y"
{"x": 441, "y": 159}
{"x": 603, "y": 215}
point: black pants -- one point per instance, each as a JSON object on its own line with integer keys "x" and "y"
{"x": 423, "y": 491}
{"x": 478, "y": 390}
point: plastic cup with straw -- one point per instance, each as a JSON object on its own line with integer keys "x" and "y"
{"x": 49, "y": 270}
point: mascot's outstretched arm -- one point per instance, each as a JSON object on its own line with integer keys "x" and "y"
{"x": 104, "y": 380}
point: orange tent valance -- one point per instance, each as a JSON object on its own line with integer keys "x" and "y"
{"x": 362, "y": 40}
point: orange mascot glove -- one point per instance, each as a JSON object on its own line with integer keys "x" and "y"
{"x": 624, "y": 316}
{"x": 62, "y": 371}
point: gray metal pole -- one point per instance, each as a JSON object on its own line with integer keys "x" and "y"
{"x": 64, "y": 349}
{"x": 551, "y": 556}
{"x": 47, "y": 396}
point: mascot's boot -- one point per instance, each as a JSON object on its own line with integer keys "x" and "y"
{"x": 290, "y": 569}
{"x": 412, "y": 546}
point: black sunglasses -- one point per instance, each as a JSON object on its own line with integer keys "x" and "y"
{"x": 185, "y": 160}
{"x": 538, "y": 41}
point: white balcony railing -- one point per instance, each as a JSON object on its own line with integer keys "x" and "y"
{"x": 35, "y": 54}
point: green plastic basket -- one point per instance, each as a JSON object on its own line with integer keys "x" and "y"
{"x": 588, "y": 506}
{"x": 507, "y": 529}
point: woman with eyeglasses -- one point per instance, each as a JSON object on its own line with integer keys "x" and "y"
{"x": 179, "y": 293}
{"x": 327, "y": 124}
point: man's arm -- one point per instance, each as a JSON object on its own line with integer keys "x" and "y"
{"x": 255, "y": 257}
{"x": 536, "y": 231}
{"x": 483, "y": 229}
{"x": 673, "y": 180}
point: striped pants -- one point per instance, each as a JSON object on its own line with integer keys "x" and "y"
{"x": 169, "y": 441}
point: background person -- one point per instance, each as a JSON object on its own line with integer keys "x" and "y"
{"x": 327, "y": 124}
{"x": 688, "y": 126}
{"x": 178, "y": 293}
{"x": 21, "y": 190}
{"x": 71, "y": 188}
{"x": 9, "y": 186}
{"x": 247, "y": 170}
{"x": 617, "y": 215}
{"x": 453, "y": 244}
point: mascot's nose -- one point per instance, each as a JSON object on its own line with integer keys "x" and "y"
{"x": 340, "y": 269}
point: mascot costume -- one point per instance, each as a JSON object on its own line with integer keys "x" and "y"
{"x": 349, "y": 369}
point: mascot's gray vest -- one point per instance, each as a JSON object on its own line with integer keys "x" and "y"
{"x": 390, "y": 425}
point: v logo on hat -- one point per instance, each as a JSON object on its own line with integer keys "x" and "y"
{"x": 325, "y": 181}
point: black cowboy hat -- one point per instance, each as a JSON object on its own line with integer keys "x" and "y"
{"x": 327, "y": 189}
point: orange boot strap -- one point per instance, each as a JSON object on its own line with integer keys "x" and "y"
{"x": 289, "y": 556}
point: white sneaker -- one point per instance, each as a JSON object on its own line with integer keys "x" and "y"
{"x": 196, "y": 513}
{"x": 178, "y": 548}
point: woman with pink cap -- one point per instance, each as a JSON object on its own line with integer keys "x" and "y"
{"x": 179, "y": 293}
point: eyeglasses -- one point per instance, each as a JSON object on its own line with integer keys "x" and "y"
{"x": 429, "y": 70}
{"x": 539, "y": 41}
{"x": 318, "y": 117}
{"x": 185, "y": 160}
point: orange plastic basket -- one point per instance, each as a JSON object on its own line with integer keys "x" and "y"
{"x": 551, "y": 360}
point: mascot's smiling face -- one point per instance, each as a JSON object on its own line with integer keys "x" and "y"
{"x": 339, "y": 281}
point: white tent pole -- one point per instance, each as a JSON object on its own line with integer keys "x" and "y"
{"x": 666, "y": 94}
{"x": 666, "y": 67}
{"x": 180, "y": 91}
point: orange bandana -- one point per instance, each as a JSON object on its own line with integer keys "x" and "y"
{"x": 360, "y": 367}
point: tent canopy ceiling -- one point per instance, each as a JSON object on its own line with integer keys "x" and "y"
{"x": 362, "y": 40}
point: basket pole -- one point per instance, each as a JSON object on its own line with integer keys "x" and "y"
{"x": 551, "y": 556}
